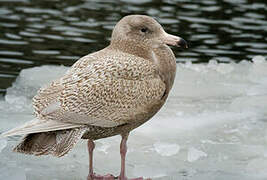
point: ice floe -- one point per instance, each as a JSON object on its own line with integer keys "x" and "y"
{"x": 213, "y": 126}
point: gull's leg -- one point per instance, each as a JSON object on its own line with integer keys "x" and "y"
{"x": 91, "y": 147}
{"x": 92, "y": 175}
{"x": 123, "y": 151}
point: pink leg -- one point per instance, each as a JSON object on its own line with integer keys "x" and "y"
{"x": 91, "y": 147}
{"x": 92, "y": 175}
{"x": 123, "y": 151}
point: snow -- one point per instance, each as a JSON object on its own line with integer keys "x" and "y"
{"x": 213, "y": 126}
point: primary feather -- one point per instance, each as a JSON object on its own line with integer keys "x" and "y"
{"x": 37, "y": 125}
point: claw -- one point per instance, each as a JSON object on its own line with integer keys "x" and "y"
{"x": 139, "y": 178}
{"x": 98, "y": 177}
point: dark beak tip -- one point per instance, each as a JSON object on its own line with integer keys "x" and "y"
{"x": 182, "y": 43}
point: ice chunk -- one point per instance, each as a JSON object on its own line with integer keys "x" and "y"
{"x": 3, "y": 143}
{"x": 26, "y": 85}
{"x": 225, "y": 68}
{"x": 166, "y": 149}
{"x": 195, "y": 154}
{"x": 258, "y": 59}
{"x": 213, "y": 63}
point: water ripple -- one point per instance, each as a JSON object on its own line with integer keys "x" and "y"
{"x": 14, "y": 53}
{"x": 46, "y": 52}
{"x": 59, "y": 32}
{"x": 2, "y": 41}
{"x": 16, "y": 61}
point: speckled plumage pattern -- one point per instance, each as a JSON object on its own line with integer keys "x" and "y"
{"x": 105, "y": 93}
{"x": 57, "y": 143}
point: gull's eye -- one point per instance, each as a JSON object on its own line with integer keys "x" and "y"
{"x": 144, "y": 30}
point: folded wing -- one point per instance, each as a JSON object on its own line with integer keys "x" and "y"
{"x": 106, "y": 93}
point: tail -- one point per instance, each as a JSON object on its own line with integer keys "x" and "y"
{"x": 56, "y": 143}
{"x": 46, "y": 137}
{"x": 36, "y": 126}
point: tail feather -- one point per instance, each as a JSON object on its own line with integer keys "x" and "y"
{"x": 56, "y": 143}
{"x": 36, "y": 126}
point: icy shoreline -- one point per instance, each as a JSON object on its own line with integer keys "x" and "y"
{"x": 213, "y": 126}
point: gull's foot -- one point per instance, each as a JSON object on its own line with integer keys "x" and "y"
{"x": 139, "y": 178}
{"x": 98, "y": 177}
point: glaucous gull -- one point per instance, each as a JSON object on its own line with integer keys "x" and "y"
{"x": 106, "y": 93}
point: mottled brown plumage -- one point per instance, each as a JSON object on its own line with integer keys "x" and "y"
{"x": 105, "y": 93}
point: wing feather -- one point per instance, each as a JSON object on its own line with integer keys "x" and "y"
{"x": 36, "y": 126}
{"x": 106, "y": 93}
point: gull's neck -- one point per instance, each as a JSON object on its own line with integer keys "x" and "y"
{"x": 131, "y": 47}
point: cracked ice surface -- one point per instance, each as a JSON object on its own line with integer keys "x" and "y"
{"x": 213, "y": 126}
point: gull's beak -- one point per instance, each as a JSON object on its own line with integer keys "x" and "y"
{"x": 174, "y": 40}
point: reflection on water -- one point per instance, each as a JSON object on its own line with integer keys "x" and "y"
{"x": 34, "y": 33}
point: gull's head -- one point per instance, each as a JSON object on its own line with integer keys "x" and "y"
{"x": 144, "y": 31}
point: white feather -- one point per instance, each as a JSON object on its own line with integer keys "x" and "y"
{"x": 51, "y": 108}
{"x": 36, "y": 126}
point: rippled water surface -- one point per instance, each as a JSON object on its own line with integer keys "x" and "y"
{"x": 34, "y": 33}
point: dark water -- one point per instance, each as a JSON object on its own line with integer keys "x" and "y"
{"x": 37, "y": 32}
